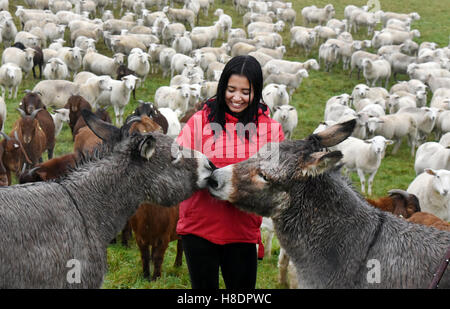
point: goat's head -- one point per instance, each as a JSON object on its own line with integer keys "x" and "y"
{"x": 30, "y": 102}
{"x": 405, "y": 204}
{"x": 28, "y": 125}
{"x": 262, "y": 183}
{"x": 12, "y": 151}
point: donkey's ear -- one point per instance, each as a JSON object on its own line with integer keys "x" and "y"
{"x": 104, "y": 130}
{"x": 317, "y": 163}
{"x": 147, "y": 147}
{"x": 336, "y": 134}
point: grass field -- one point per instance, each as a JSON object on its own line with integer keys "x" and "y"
{"x": 395, "y": 172}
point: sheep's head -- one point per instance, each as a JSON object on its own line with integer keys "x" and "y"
{"x": 378, "y": 144}
{"x": 440, "y": 181}
{"x": 262, "y": 183}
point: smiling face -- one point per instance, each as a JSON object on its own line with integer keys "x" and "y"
{"x": 238, "y": 94}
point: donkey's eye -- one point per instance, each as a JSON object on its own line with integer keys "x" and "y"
{"x": 263, "y": 176}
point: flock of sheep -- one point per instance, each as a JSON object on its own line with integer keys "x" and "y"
{"x": 152, "y": 36}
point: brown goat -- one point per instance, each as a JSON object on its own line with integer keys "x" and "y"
{"x": 75, "y": 104}
{"x": 31, "y": 102}
{"x": 155, "y": 226}
{"x": 10, "y": 156}
{"x": 429, "y": 219}
{"x": 51, "y": 169}
{"x": 31, "y": 136}
{"x": 399, "y": 202}
{"x": 3, "y": 173}
{"x": 148, "y": 109}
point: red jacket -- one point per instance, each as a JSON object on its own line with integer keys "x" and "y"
{"x": 202, "y": 215}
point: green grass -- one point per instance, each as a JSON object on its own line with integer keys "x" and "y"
{"x": 397, "y": 171}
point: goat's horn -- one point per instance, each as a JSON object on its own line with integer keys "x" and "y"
{"x": 22, "y": 112}
{"x": 398, "y": 191}
{"x": 35, "y": 112}
{"x": 5, "y": 136}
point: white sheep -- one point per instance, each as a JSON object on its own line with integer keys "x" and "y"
{"x": 363, "y": 18}
{"x": 286, "y": 66}
{"x": 337, "y": 25}
{"x": 432, "y": 155}
{"x": 399, "y": 63}
{"x": 432, "y": 189}
{"x": 22, "y": 58}
{"x": 3, "y": 112}
{"x": 57, "y": 44}
{"x": 180, "y": 15}
{"x": 53, "y": 31}
{"x": 424, "y": 74}
{"x": 342, "y": 99}
{"x": 442, "y": 125}
{"x": 178, "y": 63}
{"x": 287, "y": 116}
{"x": 72, "y": 57}
{"x": 426, "y": 120}
{"x": 441, "y": 98}
{"x": 399, "y": 37}
{"x": 118, "y": 96}
{"x": 357, "y": 59}
{"x": 182, "y": 44}
{"x": 102, "y": 65}
{"x": 312, "y": 14}
{"x": 305, "y": 40}
{"x": 395, "y": 127}
{"x": 174, "y": 126}
{"x": 10, "y": 78}
{"x": 242, "y": 48}
{"x": 438, "y": 82}
{"x": 225, "y": 21}
{"x": 165, "y": 59}
{"x": 175, "y": 98}
{"x": 27, "y": 39}
{"x": 259, "y": 26}
{"x": 445, "y": 140}
{"x": 138, "y": 62}
{"x": 411, "y": 86}
{"x": 386, "y": 16}
{"x": 60, "y": 116}
{"x": 364, "y": 157}
{"x": 292, "y": 81}
{"x": 55, "y": 93}
{"x": 56, "y": 69}
{"x": 8, "y": 32}
{"x": 376, "y": 70}
{"x": 276, "y": 53}
{"x": 328, "y": 53}
{"x": 275, "y": 95}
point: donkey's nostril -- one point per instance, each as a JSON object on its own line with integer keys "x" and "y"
{"x": 212, "y": 183}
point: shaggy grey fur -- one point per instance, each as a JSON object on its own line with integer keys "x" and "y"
{"x": 46, "y": 224}
{"x": 328, "y": 229}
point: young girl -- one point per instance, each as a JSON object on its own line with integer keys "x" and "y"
{"x": 230, "y": 128}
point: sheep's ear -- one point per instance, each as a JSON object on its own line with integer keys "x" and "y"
{"x": 389, "y": 142}
{"x": 104, "y": 130}
{"x": 317, "y": 163}
{"x": 147, "y": 147}
{"x": 430, "y": 171}
{"x": 336, "y": 133}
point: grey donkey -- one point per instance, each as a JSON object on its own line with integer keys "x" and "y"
{"x": 55, "y": 234}
{"x": 333, "y": 236}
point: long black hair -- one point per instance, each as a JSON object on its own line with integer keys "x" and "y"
{"x": 246, "y": 66}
